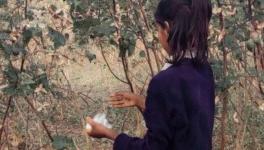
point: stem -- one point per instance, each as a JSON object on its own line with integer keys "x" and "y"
{"x": 42, "y": 121}
{"x": 258, "y": 52}
{"x": 11, "y": 97}
{"x": 117, "y": 19}
{"x": 47, "y": 131}
{"x": 144, "y": 15}
{"x": 147, "y": 50}
{"x": 148, "y": 28}
{"x": 125, "y": 66}
{"x": 225, "y": 99}
{"x": 144, "y": 41}
{"x": 109, "y": 68}
{"x": 5, "y": 116}
{"x": 26, "y": 7}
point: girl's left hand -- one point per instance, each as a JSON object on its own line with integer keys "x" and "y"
{"x": 99, "y": 130}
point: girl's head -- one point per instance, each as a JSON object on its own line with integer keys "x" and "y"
{"x": 183, "y": 27}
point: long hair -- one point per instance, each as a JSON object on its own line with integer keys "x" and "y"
{"x": 189, "y": 23}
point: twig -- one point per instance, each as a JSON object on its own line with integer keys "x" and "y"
{"x": 124, "y": 59}
{"x": 26, "y": 7}
{"x": 4, "y": 120}
{"x": 68, "y": 82}
{"x": 125, "y": 67}
{"x": 47, "y": 130}
{"x": 142, "y": 89}
{"x": 42, "y": 121}
{"x": 109, "y": 68}
{"x": 144, "y": 15}
{"x": 76, "y": 146}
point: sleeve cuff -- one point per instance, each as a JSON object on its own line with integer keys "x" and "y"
{"x": 121, "y": 142}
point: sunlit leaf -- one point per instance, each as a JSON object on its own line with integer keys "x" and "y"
{"x": 57, "y": 38}
{"x": 62, "y": 142}
{"x": 28, "y": 34}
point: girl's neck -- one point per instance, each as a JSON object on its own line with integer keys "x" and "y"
{"x": 190, "y": 53}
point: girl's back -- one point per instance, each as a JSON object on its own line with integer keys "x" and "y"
{"x": 184, "y": 96}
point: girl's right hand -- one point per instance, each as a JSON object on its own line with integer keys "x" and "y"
{"x": 127, "y": 99}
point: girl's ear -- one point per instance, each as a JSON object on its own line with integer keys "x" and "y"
{"x": 167, "y": 27}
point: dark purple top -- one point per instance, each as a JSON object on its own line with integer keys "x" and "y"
{"x": 179, "y": 112}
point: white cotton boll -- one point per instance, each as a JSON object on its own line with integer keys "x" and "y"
{"x": 104, "y": 122}
{"x": 108, "y": 125}
{"x": 101, "y": 118}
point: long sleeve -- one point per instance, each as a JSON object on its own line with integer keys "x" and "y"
{"x": 157, "y": 115}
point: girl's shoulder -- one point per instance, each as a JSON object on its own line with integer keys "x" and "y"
{"x": 186, "y": 71}
{"x": 166, "y": 76}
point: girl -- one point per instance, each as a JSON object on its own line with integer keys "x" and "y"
{"x": 179, "y": 107}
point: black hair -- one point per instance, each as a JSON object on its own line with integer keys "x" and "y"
{"x": 189, "y": 24}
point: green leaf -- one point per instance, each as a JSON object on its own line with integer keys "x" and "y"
{"x": 123, "y": 3}
{"x": 57, "y": 38}
{"x": 28, "y": 34}
{"x": 42, "y": 79}
{"x": 1, "y": 46}
{"x": 113, "y": 42}
{"x": 132, "y": 47}
{"x": 103, "y": 29}
{"x": 19, "y": 2}
{"x": 250, "y": 44}
{"x": 259, "y": 4}
{"x": 17, "y": 50}
{"x": 4, "y": 36}
{"x": 26, "y": 79}
{"x": 252, "y": 71}
{"x": 24, "y": 89}
{"x": 90, "y": 56}
{"x": 62, "y": 142}
{"x": 262, "y": 76}
{"x": 86, "y": 23}
{"x": 217, "y": 67}
{"x": 10, "y": 90}
{"x": 123, "y": 47}
{"x": 7, "y": 49}
{"x": 127, "y": 43}
{"x": 225, "y": 83}
{"x": 11, "y": 75}
{"x": 230, "y": 42}
{"x": 53, "y": 8}
{"x": 30, "y": 15}
{"x": 3, "y": 2}
{"x": 142, "y": 54}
